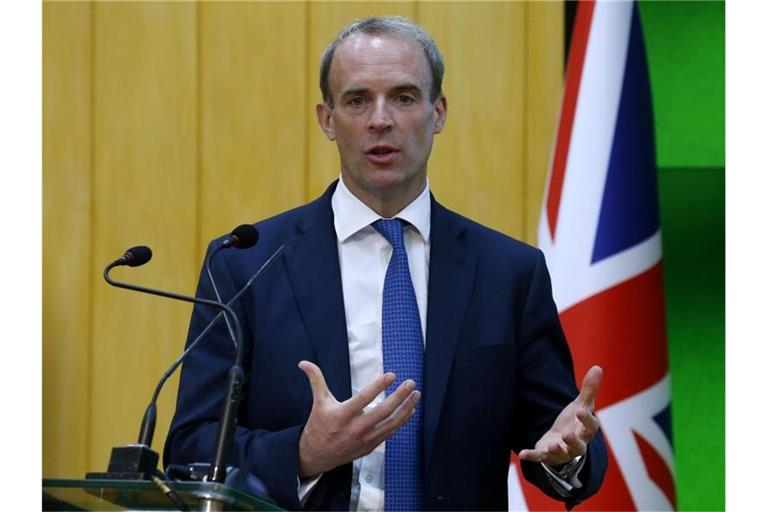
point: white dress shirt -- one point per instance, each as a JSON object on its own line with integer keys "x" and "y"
{"x": 364, "y": 256}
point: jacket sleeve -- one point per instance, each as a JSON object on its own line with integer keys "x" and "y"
{"x": 547, "y": 385}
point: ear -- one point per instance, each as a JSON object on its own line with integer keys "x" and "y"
{"x": 325, "y": 120}
{"x": 441, "y": 113}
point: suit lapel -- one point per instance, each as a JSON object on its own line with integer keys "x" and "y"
{"x": 452, "y": 270}
{"x": 313, "y": 269}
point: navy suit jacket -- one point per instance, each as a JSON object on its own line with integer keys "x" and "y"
{"x": 497, "y": 367}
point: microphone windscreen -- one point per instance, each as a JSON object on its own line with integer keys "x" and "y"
{"x": 138, "y": 255}
{"x": 246, "y": 235}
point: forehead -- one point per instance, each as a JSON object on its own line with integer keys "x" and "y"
{"x": 378, "y": 58}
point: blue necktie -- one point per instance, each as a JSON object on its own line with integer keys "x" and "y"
{"x": 403, "y": 351}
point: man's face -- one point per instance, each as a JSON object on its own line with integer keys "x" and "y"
{"x": 383, "y": 120}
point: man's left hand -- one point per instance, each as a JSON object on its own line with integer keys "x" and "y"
{"x": 573, "y": 429}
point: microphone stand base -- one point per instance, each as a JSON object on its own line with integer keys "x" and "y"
{"x": 132, "y": 462}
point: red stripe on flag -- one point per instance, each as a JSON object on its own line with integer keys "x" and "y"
{"x": 572, "y": 85}
{"x": 623, "y": 330}
{"x": 657, "y": 468}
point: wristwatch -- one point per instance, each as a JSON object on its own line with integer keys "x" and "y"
{"x": 569, "y": 468}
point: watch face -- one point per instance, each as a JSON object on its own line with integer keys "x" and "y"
{"x": 570, "y": 466}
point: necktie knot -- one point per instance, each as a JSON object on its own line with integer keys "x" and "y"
{"x": 392, "y": 230}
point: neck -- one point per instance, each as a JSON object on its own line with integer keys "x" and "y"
{"x": 387, "y": 204}
{"x": 389, "y": 208}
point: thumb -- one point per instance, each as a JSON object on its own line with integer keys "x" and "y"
{"x": 589, "y": 386}
{"x": 316, "y": 380}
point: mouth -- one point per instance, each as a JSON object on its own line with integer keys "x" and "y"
{"x": 381, "y": 154}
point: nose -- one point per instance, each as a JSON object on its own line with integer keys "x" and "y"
{"x": 380, "y": 119}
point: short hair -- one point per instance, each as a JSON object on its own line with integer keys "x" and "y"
{"x": 395, "y": 26}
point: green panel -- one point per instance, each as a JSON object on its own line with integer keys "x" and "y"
{"x": 685, "y": 42}
{"x": 692, "y": 203}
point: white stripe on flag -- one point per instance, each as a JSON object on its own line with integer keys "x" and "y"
{"x": 635, "y": 414}
{"x": 515, "y": 496}
{"x": 590, "y": 150}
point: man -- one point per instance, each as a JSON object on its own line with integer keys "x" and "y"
{"x": 430, "y": 346}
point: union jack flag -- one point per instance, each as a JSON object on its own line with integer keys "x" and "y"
{"x": 600, "y": 232}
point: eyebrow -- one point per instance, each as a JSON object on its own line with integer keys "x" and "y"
{"x": 398, "y": 88}
{"x": 407, "y": 87}
{"x": 353, "y": 91}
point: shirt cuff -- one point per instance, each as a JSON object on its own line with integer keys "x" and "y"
{"x": 304, "y": 487}
{"x": 566, "y": 479}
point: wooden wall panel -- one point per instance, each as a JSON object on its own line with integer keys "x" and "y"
{"x": 326, "y": 19}
{"x": 66, "y": 242}
{"x": 544, "y": 85}
{"x": 144, "y": 142}
{"x": 477, "y": 165}
{"x": 252, "y": 101}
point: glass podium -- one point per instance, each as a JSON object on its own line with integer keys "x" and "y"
{"x": 72, "y": 494}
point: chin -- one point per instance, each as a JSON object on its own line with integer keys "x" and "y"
{"x": 385, "y": 180}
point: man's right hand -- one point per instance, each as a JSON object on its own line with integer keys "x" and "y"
{"x": 339, "y": 432}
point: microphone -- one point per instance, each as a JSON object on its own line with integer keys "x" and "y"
{"x": 140, "y": 461}
{"x": 242, "y": 237}
{"x": 133, "y": 257}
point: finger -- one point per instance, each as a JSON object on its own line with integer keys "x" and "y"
{"x": 381, "y": 435}
{"x": 404, "y": 412}
{"x": 590, "y": 425}
{"x": 399, "y": 416}
{"x": 556, "y": 454}
{"x": 320, "y": 389}
{"x": 589, "y": 387}
{"x": 575, "y": 445}
{"x": 369, "y": 393}
{"x": 532, "y": 455}
{"x": 391, "y": 403}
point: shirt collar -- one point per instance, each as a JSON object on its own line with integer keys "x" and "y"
{"x": 350, "y": 214}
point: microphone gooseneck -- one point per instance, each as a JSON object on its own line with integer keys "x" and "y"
{"x": 242, "y": 237}
{"x": 148, "y": 423}
{"x": 177, "y": 296}
{"x": 210, "y": 325}
{"x": 140, "y": 460}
